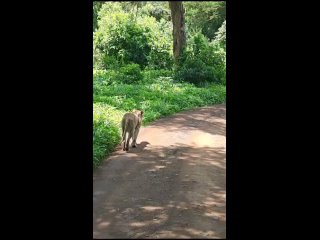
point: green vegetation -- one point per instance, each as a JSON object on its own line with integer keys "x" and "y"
{"x": 133, "y": 66}
{"x": 156, "y": 94}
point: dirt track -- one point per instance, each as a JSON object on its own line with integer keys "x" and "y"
{"x": 173, "y": 185}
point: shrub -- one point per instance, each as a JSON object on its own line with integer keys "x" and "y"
{"x": 220, "y": 35}
{"x": 202, "y": 62}
{"x": 119, "y": 36}
{"x": 152, "y": 76}
{"x": 207, "y": 16}
{"x": 129, "y": 74}
{"x": 160, "y": 56}
{"x": 128, "y": 39}
{"x": 105, "y": 137}
{"x": 196, "y": 71}
{"x": 100, "y": 77}
{"x": 106, "y": 131}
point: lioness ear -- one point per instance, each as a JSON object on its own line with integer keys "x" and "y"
{"x": 141, "y": 113}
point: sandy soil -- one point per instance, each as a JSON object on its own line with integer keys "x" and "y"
{"x": 173, "y": 185}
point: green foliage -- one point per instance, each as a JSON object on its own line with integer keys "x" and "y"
{"x": 206, "y": 16}
{"x": 219, "y": 62}
{"x": 120, "y": 37}
{"x": 127, "y": 38}
{"x": 157, "y": 94}
{"x": 132, "y": 59}
{"x": 152, "y": 76}
{"x": 202, "y": 62}
{"x": 103, "y": 61}
{"x": 221, "y": 35}
{"x": 129, "y": 74}
{"x": 96, "y": 8}
{"x": 100, "y": 77}
{"x": 195, "y": 71}
{"x": 160, "y": 97}
{"x": 160, "y": 56}
{"x": 159, "y": 10}
{"x": 105, "y": 131}
{"x": 133, "y": 6}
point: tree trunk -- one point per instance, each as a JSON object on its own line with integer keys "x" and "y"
{"x": 179, "y": 35}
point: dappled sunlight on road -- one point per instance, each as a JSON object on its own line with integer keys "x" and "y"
{"x": 167, "y": 187}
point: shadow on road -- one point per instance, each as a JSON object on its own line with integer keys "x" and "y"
{"x": 170, "y": 192}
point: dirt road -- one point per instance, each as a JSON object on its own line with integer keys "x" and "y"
{"x": 173, "y": 185}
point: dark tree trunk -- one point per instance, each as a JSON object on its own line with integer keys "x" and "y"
{"x": 179, "y": 35}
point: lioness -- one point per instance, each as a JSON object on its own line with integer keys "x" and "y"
{"x": 131, "y": 123}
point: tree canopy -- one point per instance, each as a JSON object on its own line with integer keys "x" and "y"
{"x": 153, "y": 34}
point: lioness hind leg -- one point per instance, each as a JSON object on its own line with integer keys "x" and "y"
{"x": 128, "y": 140}
{"x": 123, "y": 145}
{"x": 135, "y": 135}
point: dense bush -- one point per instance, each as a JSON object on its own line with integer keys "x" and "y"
{"x": 195, "y": 71}
{"x": 130, "y": 73}
{"x": 121, "y": 38}
{"x": 220, "y": 37}
{"x": 202, "y": 61}
{"x": 127, "y": 74}
{"x": 105, "y": 131}
{"x": 206, "y": 16}
{"x": 160, "y": 98}
{"x": 158, "y": 10}
{"x": 160, "y": 56}
{"x": 130, "y": 39}
{"x": 103, "y": 61}
{"x": 152, "y": 76}
{"x": 100, "y": 77}
{"x": 105, "y": 135}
